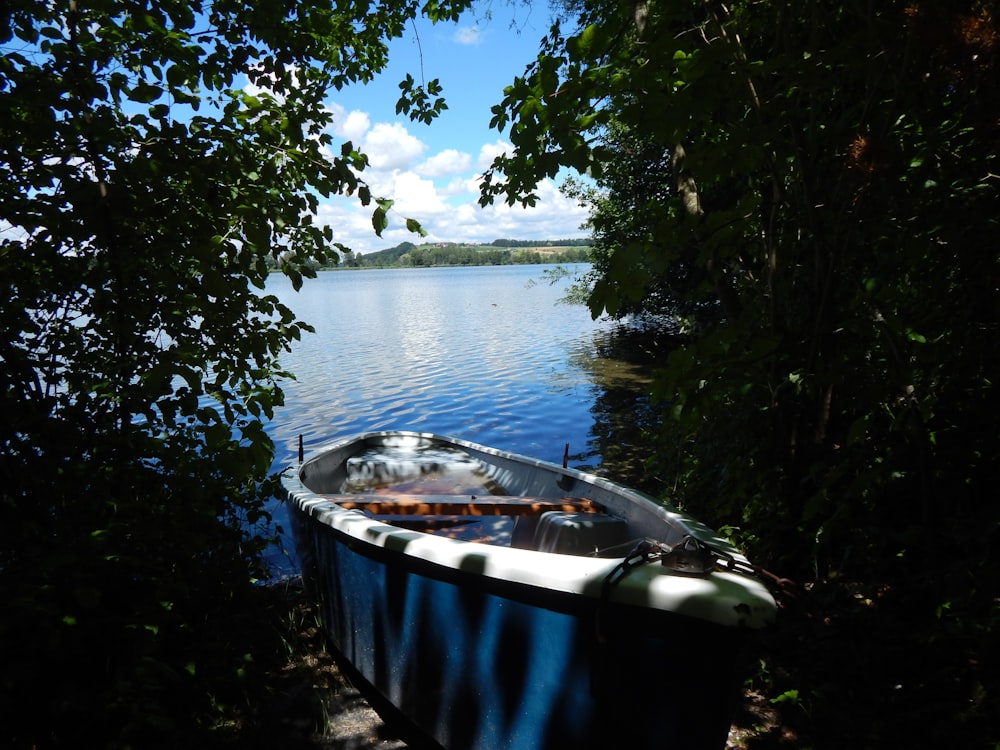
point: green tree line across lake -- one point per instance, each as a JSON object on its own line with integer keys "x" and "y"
{"x": 496, "y": 253}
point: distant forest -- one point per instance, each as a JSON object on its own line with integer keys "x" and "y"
{"x": 502, "y": 252}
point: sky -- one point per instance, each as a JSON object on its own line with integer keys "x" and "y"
{"x": 432, "y": 171}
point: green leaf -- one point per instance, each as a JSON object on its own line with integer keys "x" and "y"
{"x": 380, "y": 219}
{"x": 789, "y": 696}
{"x": 145, "y": 93}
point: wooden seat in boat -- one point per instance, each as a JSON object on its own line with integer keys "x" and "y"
{"x": 497, "y": 530}
{"x": 462, "y": 505}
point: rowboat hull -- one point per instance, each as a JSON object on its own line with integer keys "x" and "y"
{"x": 487, "y": 646}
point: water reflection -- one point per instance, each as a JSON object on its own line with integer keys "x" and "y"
{"x": 464, "y": 351}
{"x": 625, "y": 420}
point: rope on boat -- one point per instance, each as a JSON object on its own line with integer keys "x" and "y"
{"x": 644, "y": 551}
{"x": 690, "y": 556}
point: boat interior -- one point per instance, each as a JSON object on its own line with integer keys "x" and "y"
{"x": 448, "y": 493}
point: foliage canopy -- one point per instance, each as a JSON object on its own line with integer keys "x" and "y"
{"x": 152, "y": 157}
{"x": 823, "y": 176}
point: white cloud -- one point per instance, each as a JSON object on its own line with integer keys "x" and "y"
{"x": 554, "y": 217}
{"x": 467, "y": 35}
{"x": 261, "y": 81}
{"x": 489, "y": 152}
{"x": 414, "y": 196}
{"x": 350, "y": 125}
{"x": 461, "y": 186}
{"x": 356, "y": 125}
{"x": 441, "y": 193}
{"x": 390, "y": 146}
{"x": 351, "y": 224}
{"x": 447, "y": 162}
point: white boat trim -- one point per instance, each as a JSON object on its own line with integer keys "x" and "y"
{"x": 722, "y": 597}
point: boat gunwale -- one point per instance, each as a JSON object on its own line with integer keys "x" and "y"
{"x": 721, "y": 597}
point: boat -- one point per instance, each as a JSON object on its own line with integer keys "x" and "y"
{"x": 491, "y": 601}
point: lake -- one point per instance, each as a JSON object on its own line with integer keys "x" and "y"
{"x": 486, "y": 353}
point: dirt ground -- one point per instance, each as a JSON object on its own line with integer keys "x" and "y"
{"x": 352, "y": 724}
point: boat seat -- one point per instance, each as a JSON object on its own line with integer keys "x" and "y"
{"x": 495, "y": 530}
{"x": 462, "y": 505}
{"x": 573, "y": 533}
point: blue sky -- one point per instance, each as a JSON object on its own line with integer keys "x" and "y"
{"x": 432, "y": 171}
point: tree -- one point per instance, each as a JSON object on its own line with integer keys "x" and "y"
{"x": 154, "y": 157}
{"x": 635, "y": 251}
{"x": 832, "y": 175}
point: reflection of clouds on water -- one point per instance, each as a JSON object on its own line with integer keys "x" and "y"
{"x": 465, "y": 351}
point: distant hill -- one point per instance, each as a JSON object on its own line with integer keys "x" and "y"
{"x": 389, "y": 255}
{"x": 498, "y": 252}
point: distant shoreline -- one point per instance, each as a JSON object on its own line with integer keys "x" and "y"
{"x": 450, "y": 254}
